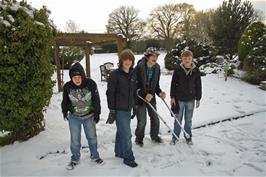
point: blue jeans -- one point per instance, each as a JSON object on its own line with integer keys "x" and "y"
{"x": 75, "y": 132}
{"x": 142, "y": 119}
{"x": 123, "y": 144}
{"x": 186, "y": 108}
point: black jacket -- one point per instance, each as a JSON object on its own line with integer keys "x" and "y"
{"x": 88, "y": 85}
{"x": 121, "y": 90}
{"x": 142, "y": 82}
{"x": 186, "y": 85}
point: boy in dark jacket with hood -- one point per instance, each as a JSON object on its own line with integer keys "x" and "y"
{"x": 148, "y": 76}
{"x": 121, "y": 91}
{"x": 81, "y": 106}
{"x": 185, "y": 91}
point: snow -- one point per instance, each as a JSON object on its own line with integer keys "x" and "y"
{"x": 6, "y": 23}
{"x": 231, "y": 148}
{"x": 211, "y": 68}
{"x": 16, "y": 5}
{"x": 11, "y": 18}
{"x": 239, "y": 73}
{"x": 39, "y": 23}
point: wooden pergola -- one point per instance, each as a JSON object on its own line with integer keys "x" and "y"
{"x": 84, "y": 40}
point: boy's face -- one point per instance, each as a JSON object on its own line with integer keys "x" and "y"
{"x": 152, "y": 59}
{"x": 77, "y": 80}
{"x": 127, "y": 63}
{"x": 187, "y": 61}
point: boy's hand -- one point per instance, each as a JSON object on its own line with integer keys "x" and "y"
{"x": 133, "y": 113}
{"x": 149, "y": 97}
{"x": 65, "y": 116}
{"x": 173, "y": 102}
{"x": 197, "y": 103}
{"x": 111, "y": 117}
{"x": 96, "y": 118}
{"x": 162, "y": 95}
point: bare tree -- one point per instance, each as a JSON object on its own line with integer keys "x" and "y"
{"x": 71, "y": 26}
{"x": 200, "y": 26}
{"x": 69, "y": 54}
{"x": 171, "y": 21}
{"x": 164, "y": 20}
{"x": 125, "y": 21}
{"x": 185, "y": 28}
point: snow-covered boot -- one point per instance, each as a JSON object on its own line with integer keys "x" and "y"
{"x": 189, "y": 141}
{"x": 72, "y": 165}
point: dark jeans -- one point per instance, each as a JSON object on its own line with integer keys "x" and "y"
{"x": 75, "y": 132}
{"x": 123, "y": 144}
{"x": 142, "y": 119}
{"x": 186, "y": 111}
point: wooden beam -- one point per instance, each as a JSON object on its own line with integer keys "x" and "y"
{"x": 79, "y": 39}
{"x": 87, "y": 55}
{"x": 58, "y": 67}
{"x": 120, "y": 44}
{"x": 80, "y": 42}
{"x": 87, "y": 35}
{"x": 84, "y": 40}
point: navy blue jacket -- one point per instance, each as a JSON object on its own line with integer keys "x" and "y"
{"x": 121, "y": 90}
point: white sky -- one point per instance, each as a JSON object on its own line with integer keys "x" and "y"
{"x": 92, "y": 15}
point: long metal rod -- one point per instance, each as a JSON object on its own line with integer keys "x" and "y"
{"x": 173, "y": 114}
{"x": 160, "y": 117}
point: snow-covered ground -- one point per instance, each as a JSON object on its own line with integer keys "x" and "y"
{"x": 229, "y": 148}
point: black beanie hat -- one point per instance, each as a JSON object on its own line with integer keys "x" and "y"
{"x": 76, "y": 70}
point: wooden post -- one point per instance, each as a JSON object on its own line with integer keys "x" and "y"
{"x": 58, "y": 67}
{"x": 87, "y": 54}
{"x": 120, "y": 44}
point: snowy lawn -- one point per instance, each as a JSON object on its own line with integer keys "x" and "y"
{"x": 229, "y": 148}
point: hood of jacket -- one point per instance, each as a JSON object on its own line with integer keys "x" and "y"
{"x": 77, "y": 69}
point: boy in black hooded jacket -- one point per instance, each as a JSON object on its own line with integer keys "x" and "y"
{"x": 81, "y": 106}
{"x": 185, "y": 93}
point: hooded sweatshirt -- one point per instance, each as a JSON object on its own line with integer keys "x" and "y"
{"x": 186, "y": 83}
{"x": 82, "y": 101}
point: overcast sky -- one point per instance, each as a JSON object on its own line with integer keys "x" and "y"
{"x": 92, "y": 15}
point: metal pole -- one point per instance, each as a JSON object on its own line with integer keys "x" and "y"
{"x": 173, "y": 133}
{"x": 184, "y": 131}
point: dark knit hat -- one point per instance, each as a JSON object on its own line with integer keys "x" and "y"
{"x": 76, "y": 70}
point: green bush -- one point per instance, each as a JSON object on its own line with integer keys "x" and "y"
{"x": 26, "y": 37}
{"x": 255, "y": 77}
{"x": 252, "y": 50}
{"x": 202, "y": 54}
{"x": 68, "y": 55}
{"x": 249, "y": 39}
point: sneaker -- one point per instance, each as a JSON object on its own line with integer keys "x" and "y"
{"x": 72, "y": 165}
{"x": 189, "y": 141}
{"x": 99, "y": 161}
{"x": 139, "y": 143}
{"x": 132, "y": 164}
{"x": 157, "y": 139}
{"x": 173, "y": 141}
